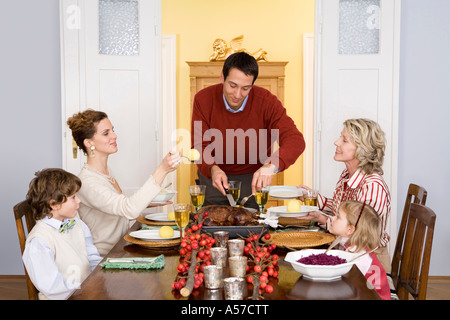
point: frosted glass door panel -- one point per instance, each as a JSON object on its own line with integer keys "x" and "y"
{"x": 119, "y": 27}
{"x": 359, "y": 27}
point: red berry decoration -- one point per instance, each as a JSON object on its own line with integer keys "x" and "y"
{"x": 262, "y": 264}
{"x": 194, "y": 255}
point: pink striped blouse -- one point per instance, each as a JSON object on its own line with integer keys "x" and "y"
{"x": 368, "y": 188}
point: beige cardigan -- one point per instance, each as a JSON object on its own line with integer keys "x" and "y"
{"x": 108, "y": 212}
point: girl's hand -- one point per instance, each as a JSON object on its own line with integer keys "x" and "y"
{"x": 314, "y": 216}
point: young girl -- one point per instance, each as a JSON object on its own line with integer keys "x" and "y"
{"x": 59, "y": 252}
{"x": 358, "y": 225}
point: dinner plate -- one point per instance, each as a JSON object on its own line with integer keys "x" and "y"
{"x": 152, "y": 235}
{"x": 282, "y": 211}
{"x": 285, "y": 192}
{"x": 158, "y": 217}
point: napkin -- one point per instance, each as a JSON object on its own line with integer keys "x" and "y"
{"x": 270, "y": 218}
{"x": 157, "y": 263}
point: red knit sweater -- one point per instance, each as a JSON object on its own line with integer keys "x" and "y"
{"x": 242, "y": 142}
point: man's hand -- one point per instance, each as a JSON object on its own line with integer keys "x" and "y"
{"x": 219, "y": 179}
{"x": 263, "y": 177}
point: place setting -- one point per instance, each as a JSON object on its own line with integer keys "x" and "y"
{"x": 289, "y": 232}
{"x": 166, "y": 229}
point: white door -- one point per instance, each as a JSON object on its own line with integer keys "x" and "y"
{"x": 111, "y": 61}
{"x": 357, "y": 48}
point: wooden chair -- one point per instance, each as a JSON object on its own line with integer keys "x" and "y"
{"x": 413, "y": 276}
{"x": 416, "y": 194}
{"x": 23, "y": 209}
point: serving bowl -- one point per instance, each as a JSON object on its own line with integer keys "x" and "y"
{"x": 164, "y": 196}
{"x": 320, "y": 272}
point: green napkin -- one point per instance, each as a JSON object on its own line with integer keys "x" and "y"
{"x": 134, "y": 263}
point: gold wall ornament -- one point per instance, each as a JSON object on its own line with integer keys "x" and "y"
{"x": 222, "y": 50}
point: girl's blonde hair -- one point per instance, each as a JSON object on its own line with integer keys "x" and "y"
{"x": 370, "y": 142}
{"x": 366, "y": 222}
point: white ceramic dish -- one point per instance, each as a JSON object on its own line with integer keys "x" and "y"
{"x": 285, "y": 192}
{"x": 320, "y": 272}
{"x": 158, "y": 217}
{"x": 164, "y": 196}
{"x": 152, "y": 235}
{"x": 282, "y": 211}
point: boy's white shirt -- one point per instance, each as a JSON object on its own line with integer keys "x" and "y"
{"x": 40, "y": 263}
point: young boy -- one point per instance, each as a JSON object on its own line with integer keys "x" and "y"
{"x": 59, "y": 252}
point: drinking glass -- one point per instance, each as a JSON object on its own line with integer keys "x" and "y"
{"x": 235, "y": 189}
{"x": 197, "y": 193}
{"x": 310, "y": 199}
{"x": 261, "y": 198}
{"x": 182, "y": 211}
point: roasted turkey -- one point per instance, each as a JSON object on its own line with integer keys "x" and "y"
{"x": 219, "y": 215}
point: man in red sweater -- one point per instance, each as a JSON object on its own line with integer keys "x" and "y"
{"x": 235, "y": 126}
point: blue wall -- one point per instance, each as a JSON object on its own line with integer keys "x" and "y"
{"x": 30, "y": 104}
{"x": 424, "y": 129}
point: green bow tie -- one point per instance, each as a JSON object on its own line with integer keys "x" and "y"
{"x": 67, "y": 226}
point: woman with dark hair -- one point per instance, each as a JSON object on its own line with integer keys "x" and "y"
{"x": 104, "y": 208}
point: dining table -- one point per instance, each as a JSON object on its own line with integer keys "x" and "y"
{"x": 156, "y": 284}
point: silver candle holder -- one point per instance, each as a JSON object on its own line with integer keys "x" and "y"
{"x": 236, "y": 247}
{"x": 234, "y": 288}
{"x": 237, "y": 266}
{"x": 213, "y": 276}
{"x": 221, "y": 238}
{"x": 219, "y": 256}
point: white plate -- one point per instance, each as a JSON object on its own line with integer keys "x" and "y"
{"x": 282, "y": 211}
{"x": 158, "y": 217}
{"x": 285, "y": 192}
{"x": 152, "y": 235}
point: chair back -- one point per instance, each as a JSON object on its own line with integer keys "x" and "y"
{"x": 413, "y": 277}
{"x": 22, "y": 211}
{"x": 416, "y": 194}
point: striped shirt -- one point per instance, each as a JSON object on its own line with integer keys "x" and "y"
{"x": 368, "y": 188}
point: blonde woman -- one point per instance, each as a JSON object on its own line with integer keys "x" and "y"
{"x": 104, "y": 208}
{"x": 361, "y": 148}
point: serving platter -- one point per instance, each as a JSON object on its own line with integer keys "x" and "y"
{"x": 300, "y": 239}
